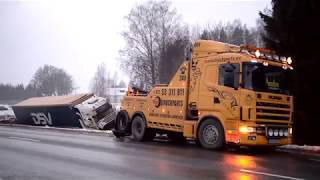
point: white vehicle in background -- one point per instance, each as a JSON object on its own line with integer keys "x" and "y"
{"x": 6, "y": 114}
{"x": 115, "y": 95}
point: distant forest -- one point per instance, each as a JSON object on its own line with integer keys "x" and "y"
{"x": 47, "y": 81}
{"x": 16, "y": 92}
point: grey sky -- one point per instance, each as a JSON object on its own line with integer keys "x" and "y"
{"x": 79, "y": 35}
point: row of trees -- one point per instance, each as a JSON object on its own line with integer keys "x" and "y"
{"x": 234, "y": 32}
{"x": 16, "y": 92}
{"x": 52, "y": 81}
{"x": 157, "y": 41}
{"x": 47, "y": 81}
{"x": 292, "y": 29}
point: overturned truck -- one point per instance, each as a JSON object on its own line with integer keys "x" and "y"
{"x": 76, "y": 111}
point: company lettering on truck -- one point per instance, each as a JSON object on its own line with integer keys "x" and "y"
{"x": 171, "y": 103}
{"x": 41, "y": 118}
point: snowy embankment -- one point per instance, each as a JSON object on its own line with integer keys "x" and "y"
{"x": 77, "y": 129}
{"x": 302, "y": 149}
{"x": 60, "y": 128}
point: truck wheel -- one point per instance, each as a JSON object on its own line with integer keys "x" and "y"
{"x": 138, "y": 129}
{"x": 122, "y": 121}
{"x": 121, "y": 127}
{"x": 211, "y": 134}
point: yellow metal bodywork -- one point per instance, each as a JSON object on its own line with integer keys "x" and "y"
{"x": 195, "y": 86}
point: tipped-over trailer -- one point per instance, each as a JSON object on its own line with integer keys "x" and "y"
{"x": 80, "y": 111}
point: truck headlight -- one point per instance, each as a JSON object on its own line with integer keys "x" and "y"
{"x": 257, "y": 53}
{"x": 246, "y": 129}
{"x": 289, "y": 60}
{"x": 270, "y": 132}
{"x": 281, "y": 132}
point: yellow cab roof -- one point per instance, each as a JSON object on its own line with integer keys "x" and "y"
{"x": 214, "y": 47}
{"x": 211, "y": 47}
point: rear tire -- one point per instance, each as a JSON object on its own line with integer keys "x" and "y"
{"x": 138, "y": 129}
{"x": 211, "y": 134}
{"x": 122, "y": 125}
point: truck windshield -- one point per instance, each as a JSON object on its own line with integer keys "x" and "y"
{"x": 262, "y": 78}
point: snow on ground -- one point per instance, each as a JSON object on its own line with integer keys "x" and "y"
{"x": 78, "y": 129}
{"x": 315, "y": 149}
{"x": 59, "y": 128}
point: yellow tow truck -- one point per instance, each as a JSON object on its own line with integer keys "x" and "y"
{"x": 222, "y": 94}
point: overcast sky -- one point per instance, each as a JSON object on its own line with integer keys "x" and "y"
{"x": 79, "y": 35}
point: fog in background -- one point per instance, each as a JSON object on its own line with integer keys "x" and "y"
{"x": 79, "y": 35}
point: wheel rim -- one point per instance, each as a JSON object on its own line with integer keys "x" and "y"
{"x": 138, "y": 128}
{"x": 210, "y": 134}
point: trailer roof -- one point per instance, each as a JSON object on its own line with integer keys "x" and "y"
{"x": 69, "y": 100}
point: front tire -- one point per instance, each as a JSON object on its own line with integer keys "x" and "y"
{"x": 211, "y": 134}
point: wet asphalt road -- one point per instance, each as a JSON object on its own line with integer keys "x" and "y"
{"x": 52, "y": 154}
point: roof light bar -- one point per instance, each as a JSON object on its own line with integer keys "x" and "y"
{"x": 263, "y": 53}
{"x": 289, "y": 60}
{"x": 257, "y": 53}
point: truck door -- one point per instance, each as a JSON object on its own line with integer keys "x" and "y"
{"x": 219, "y": 89}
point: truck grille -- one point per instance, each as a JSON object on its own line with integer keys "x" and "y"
{"x": 268, "y": 104}
{"x": 272, "y": 111}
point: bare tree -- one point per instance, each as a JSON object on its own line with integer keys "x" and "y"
{"x": 115, "y": 79}
{"x": 152, "y": 26}
{"x": 50, "y": 80}
{"x": 195, "y": 32}
{"x": 99, "y": 81}
{"x": 173, "y": 56}
{"x": 260, "y": 32}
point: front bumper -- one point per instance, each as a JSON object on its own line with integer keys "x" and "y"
{"x": 254, "y": 139}
{"x": 257, "y": 138}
